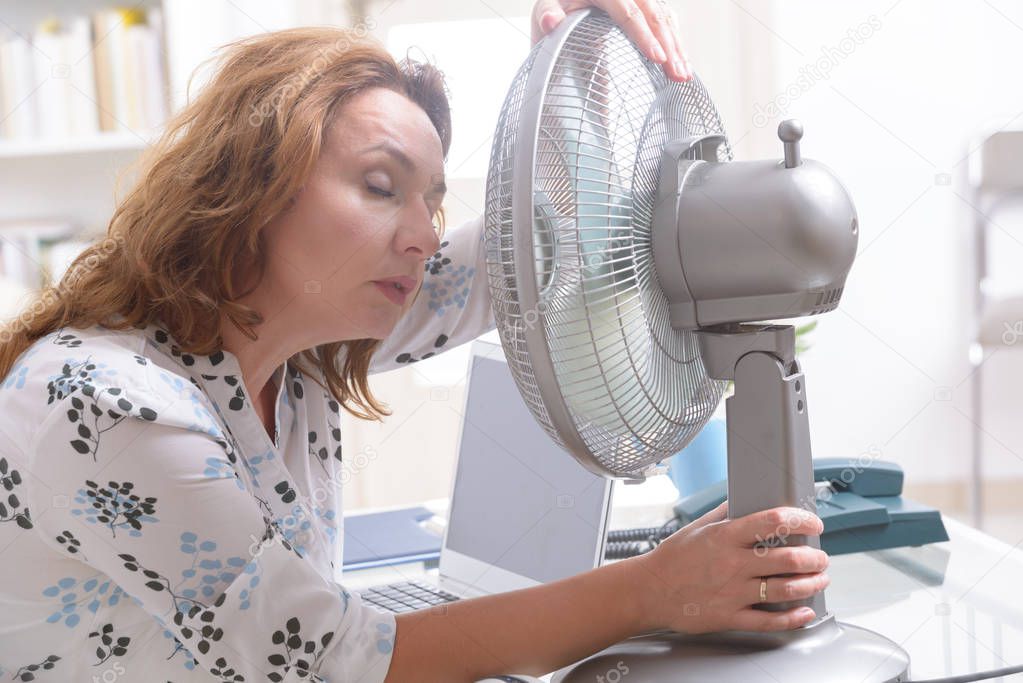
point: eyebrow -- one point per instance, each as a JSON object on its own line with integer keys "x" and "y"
{"x": 405, "y": 160}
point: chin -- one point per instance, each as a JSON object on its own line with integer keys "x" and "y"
{"x": 381, "y": 326}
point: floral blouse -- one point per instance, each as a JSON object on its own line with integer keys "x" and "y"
{"x": 153, "y": 531}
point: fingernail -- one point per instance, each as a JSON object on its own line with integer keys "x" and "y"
{"x": 686, "y": 65}
{"x": 659, "y": 55}
{"x": 547, "y": 22}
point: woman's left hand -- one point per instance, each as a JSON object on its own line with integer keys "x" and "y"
{"x": 651, "y": 25}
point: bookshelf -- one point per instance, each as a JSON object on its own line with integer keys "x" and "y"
{"x": 111, "y": 141}
{"x": 75, "y": 173}
{"x": 68, "y": 129}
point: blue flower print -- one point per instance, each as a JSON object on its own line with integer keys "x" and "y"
{"x": 385, "y": 641}
{"x": 449, "y": 289}
{"x": 90, "y": 593}
{"x": 211, "y": 572}
{"x": 220, "y": 468}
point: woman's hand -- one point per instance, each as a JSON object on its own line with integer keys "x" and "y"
{"x": 706, "y": 576}
{"x": 651, "y": 24}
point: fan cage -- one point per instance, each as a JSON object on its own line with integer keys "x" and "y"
{"x": 636, "y": 389}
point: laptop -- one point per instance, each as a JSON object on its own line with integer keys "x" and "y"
{"x": 523, "y": 512}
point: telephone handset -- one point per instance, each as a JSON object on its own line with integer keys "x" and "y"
{"x": 859, "y": 501}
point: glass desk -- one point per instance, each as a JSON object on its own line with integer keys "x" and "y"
{"x": 955, "y": 607}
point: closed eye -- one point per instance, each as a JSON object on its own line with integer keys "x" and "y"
{"x": 379, "y": 191}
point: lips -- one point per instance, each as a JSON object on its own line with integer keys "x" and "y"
{"x": 396, "y": 288}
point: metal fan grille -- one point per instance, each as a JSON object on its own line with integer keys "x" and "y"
{"x": 635, "y": 389}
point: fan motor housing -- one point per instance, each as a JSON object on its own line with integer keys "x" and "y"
{"x": 745, "y": 241}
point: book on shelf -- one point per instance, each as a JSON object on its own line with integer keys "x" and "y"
{"x": 84, "y": 75}
{"x": 29, "y": 253}
{"x": 14, "y": 297}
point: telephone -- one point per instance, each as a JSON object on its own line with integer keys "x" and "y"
{"x": 860, "y": 503}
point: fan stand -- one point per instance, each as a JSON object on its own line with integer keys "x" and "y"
{"x": 769, "y": 465}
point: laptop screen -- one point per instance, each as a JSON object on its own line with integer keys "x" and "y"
{"x": 520, "y": 502}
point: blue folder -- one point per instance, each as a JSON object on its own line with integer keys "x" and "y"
{"x": 386, "y": 538}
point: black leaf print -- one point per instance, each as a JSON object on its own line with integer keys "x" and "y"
{"x": 163, "y": 338}
{"x": 68, "y": 540}
{"x": 224, "y": 672}
{"x": 321, "y": 454}
{"x": 332, "y": 445}
{"x": 159, "y": 583}
{"x": 69, "y": 381}
{"x": 108, "y": 647}
{"x": 294, "y": 645}
{"x": 118, "y": 506}
{"x": 230, "y": 445}
{"x": 91, "y": 419}
{"x": 69, "y": 340}
{"x": 9, "y": 510}
{"x": 284, "y": 489}
{"x": 25, "y": 673}
{"x": 141, "y": 360}
{"x": 238, "y": 401}
{"x": 436, "y": 263}
{"x": 268, "y": 514}
{"x": 228, "y": 449}
{"x": 409, "y": 358}
{"x": 179, "y": 647}
{"x": 334, "y": 422}
{"x": 198, "y": 623}
{"x": 273, "y": 529}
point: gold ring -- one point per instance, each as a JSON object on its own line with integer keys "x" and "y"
{"x": 763, "y": 590}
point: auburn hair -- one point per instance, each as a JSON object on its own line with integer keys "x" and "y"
{"x": 228, "y": 162}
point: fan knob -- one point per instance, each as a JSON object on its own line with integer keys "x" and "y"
{"x": 791, "y": 132}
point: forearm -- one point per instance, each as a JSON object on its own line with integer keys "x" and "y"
{"x": 530, "y": 631}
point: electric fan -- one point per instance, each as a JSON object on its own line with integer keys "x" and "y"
{"x": 629, "y": 260}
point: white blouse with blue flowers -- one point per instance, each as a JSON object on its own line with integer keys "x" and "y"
{"x": 150, "y": 528}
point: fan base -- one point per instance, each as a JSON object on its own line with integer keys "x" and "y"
{"x": 825, "y": 651}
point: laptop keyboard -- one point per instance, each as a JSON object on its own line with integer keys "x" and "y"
{"x": 406, "y": 596}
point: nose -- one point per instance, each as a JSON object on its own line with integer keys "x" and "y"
{"x": 416, "y": 231}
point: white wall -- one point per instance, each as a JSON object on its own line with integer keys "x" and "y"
{"x": 415, "y": 448}
{"x": 889, "y": 368}
{"x": 197, "y": 29}
{"x": 888, "y": 372}
{"x": 893, "y": 118}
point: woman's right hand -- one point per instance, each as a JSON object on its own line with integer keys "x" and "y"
{"x": 706, "y": 576}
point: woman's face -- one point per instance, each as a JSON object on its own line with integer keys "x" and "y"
{"x": 365, "y": 215}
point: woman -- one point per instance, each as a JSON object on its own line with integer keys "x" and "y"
{"x": 171, "y": 453}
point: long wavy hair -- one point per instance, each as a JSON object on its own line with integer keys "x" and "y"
{"x": 227, "y": 163}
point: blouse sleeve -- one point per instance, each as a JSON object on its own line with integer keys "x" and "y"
{"x": 451, "y": 308}
{"x": 156, "y": 505}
